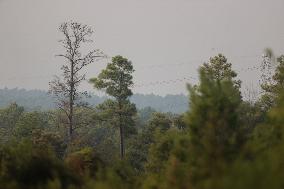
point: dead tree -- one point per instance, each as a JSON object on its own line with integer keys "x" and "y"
{"x": 65, "y": 89}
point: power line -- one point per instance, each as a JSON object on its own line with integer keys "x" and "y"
{"x": 159, "y": 66}
{"x": 50, "y": 76}
{"x": 147, "y": 67}
{"x": 162, "y": 82}
{"x": 186, "y": 78}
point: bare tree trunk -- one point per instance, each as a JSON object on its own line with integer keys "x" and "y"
{"x": 121, "y": 132}
{"x": 66, "y": 90}
{"x": 71, "y": 102}
{"x": 121, "y": 141}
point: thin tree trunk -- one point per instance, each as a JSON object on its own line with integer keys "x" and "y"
{"x": 71, "y": 103}
{"x": 121, "y": 132}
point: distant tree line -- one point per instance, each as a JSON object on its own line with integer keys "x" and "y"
{"x": 40, "y": 100}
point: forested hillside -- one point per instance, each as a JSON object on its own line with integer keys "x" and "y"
{"x": 41, "y": 100}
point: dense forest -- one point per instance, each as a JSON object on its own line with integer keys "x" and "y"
{"x": 40, "y": 100}
{"x": 220, "y": 141}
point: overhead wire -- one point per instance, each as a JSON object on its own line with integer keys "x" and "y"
{"x": 153, "y": 83}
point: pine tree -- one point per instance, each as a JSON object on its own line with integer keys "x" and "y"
{"x": 212, "y": 120}
{"x": 116, "y": 80}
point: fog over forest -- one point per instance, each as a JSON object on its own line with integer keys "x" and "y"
{"x": 40, "y": 100}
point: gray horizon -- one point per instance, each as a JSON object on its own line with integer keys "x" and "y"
{"x": 166, "y": 40}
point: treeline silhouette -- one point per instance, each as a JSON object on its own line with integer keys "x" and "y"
{"x": 40, "y": 100}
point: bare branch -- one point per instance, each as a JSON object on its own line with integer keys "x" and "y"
{"x": 66, "y": 90}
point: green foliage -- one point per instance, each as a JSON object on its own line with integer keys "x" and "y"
{"x": 50, "y": 140}
{"x": 118, "y": 176}
{"x": 169, "y": 158}
{"x": 110, "y": 110}
{"x": 250, "y": 118}
{"x": 261, "y": 164}
{"x": 116, "y": 78}
{"x": 221, "y": 142}
{"x": 159, "y": 121}
{"x": 219, "y": 70}
{"x": 138, "y": 151}
{"x": 27, "y": 167}
{"x": 85, "y": 162}
{"x": 30, "y": 122}
{"x": 10, "y": 115}
{"x": 8, "y": 119}
{"x": 161, "y": 150}
{"x": 144, "y": 115}
{"x": 274, "y": 86}
{"x": 213, "y": 118}
{"x": 179, "y": 122}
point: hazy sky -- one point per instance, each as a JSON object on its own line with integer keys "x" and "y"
{"x": 165, "y": 39}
